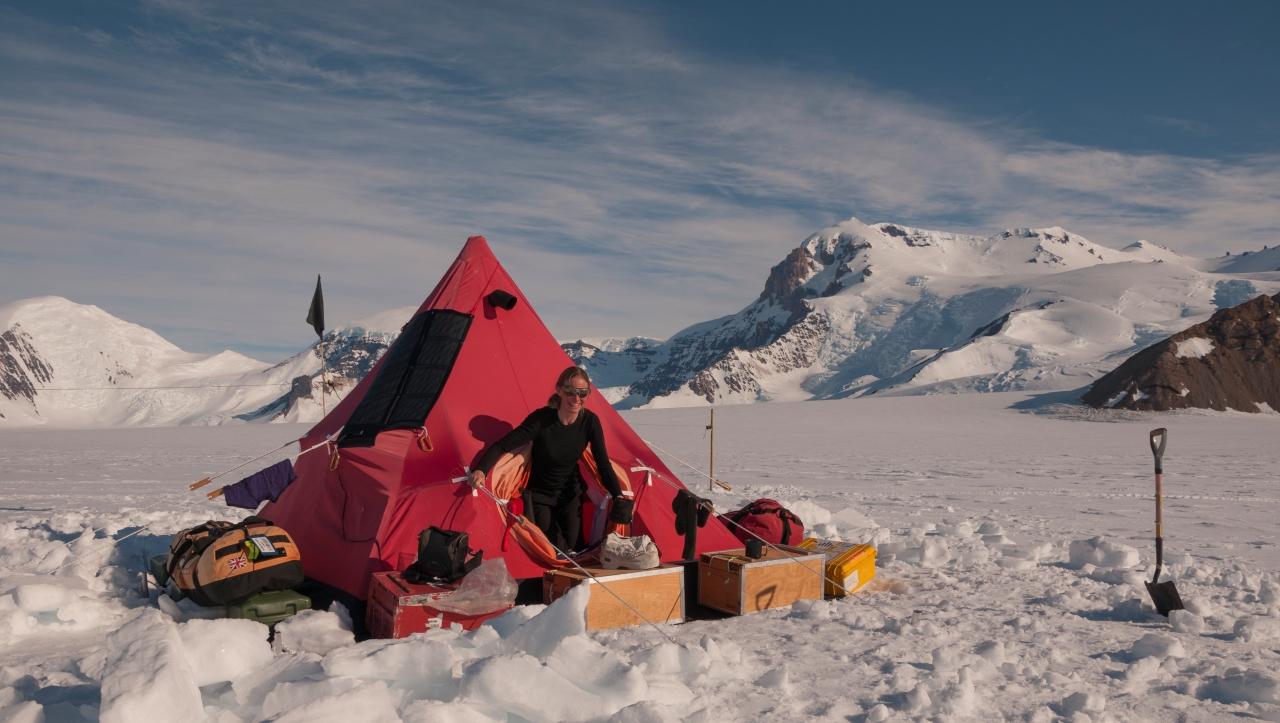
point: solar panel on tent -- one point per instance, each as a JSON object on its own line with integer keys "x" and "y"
{"x": 412, "y": 375}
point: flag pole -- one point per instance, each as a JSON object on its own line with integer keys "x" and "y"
{"x": 315, "y": 317}
{"x": 324, "y": 380}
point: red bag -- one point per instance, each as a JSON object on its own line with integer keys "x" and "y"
{"x": 767, "y": 519}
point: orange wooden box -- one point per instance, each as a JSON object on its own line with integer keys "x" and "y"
{"x": 731, "y": 582}
{"x": 657, "y": 594}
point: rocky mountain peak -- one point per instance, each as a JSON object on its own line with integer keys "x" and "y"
{"x": 788, "y": 276}
{"x": 1231, "y": 361}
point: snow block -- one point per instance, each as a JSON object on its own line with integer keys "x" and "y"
{"x": 558, "y": 698}
{"x": 1157, "y": 645}
{"x": 563, "y": 618}
{"x": 313, "y": 631}
{"x": 1099, "y": 552}
{"x": 333, "y": 699}
{"x": 1257, "y": 629}
{"x": 1185, "y": 621}
{"x": 147, "y": 673}
{"x": 1239, "y": 685}
{"x": 421, "y": 663}
{"x": 223, "y": 650}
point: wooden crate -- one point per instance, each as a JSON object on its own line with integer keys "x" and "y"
{"x": 397, "y": 608}
{"x": 657, "y": 594}
{"x": 731, "y": 582}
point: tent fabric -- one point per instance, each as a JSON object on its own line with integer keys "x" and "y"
{"x": 265, "y": 484}
{"x": 357, "y": 509}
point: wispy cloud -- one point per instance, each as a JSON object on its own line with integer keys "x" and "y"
{"x": 194, "y": 165}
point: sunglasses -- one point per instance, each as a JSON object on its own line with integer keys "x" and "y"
{"x": 571, "y": 391}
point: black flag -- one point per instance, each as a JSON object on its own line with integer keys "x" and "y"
{"x": 315, "y": 315}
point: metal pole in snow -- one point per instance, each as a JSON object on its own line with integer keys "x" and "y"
{"x": 711, "y": 468}
{"x": 324, "y": 380}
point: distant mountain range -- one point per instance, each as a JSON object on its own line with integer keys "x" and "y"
{"x": 856, "y": 309}
{"x": 873, "y": 309}
{"x": 69, "y": 364}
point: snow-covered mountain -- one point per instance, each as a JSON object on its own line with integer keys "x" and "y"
{"x": 69, "y": 364}
{"x": 862, "y": 309}
{"x": 614, "y": 363}
{"x": 856, "y": 309}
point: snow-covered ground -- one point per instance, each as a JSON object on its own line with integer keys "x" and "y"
{"x": 1012, "y": 550}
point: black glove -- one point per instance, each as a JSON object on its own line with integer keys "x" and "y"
{"x": 704, "y": 511}
{"x": 621, "y": 510}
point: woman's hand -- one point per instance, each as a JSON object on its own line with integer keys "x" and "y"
{"x": 476, "y": 480}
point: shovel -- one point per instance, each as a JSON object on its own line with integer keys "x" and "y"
{"x": 1163, "y": 594}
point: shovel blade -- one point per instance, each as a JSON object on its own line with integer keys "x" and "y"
{"x": 1165, "y": 596}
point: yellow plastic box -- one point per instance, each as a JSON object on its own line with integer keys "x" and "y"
{"x": 850, "y": 565}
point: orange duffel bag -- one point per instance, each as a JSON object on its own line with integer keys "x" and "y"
{"x": 218, "y": 562}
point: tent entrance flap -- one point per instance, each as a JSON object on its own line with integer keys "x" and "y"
{"x": 413, "y": 374}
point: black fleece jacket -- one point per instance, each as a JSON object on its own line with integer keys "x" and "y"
{"x": 556, "y": 450}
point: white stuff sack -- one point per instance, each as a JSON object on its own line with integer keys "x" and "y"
{"x": 628, "y": 553}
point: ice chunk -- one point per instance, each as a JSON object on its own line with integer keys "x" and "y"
{"x": 558, "y": 699}
{"x": 332, "y": 700}
{"x": 1185, "y": 621}
{"x": 1083, "y": 703}
{"x": 684, "y": 661}
{"x": 598, "y": 670}
{"x": 934, "y": 553}
{"x": 147, "y": 672}
{"x": 1257, "y": 629}
{"x": 41, "y": 597}
{"x": 421, "y": 663}
{"x": 565, "y": 617}
{"x": 879, "y": 713}
{"x": 811, "y": 513}
{"x": 1157, "y": 645}
{"x": 434, "y": 711}
{"x": 223, "y": 650}
{"x": 1269, "y": 592}
{"x": 510, "y": 621}
{"x": 252, "y": 690}
{"x": 1240, "y": 685}
{"x": 313, "y": 631}
{"x": 777, "y": 679}
{"x": 1102, "y": 553}
{"x": 646, "y": 712}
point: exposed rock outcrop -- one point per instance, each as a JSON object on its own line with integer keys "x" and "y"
{"x": 1231, "y": 361}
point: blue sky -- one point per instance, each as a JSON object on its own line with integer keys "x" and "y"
{"x": 638, "y": 167}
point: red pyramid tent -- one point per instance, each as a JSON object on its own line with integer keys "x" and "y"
{"x": 464, "y": 370}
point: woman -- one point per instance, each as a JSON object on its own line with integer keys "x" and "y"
{"x": 559, "y": 433}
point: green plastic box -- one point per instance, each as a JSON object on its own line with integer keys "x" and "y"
{"x": 271, "y": 607}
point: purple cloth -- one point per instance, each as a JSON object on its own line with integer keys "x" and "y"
{"x": 262, "y": 485}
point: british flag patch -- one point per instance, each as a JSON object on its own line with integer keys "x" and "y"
{"x": 237, "y": 562}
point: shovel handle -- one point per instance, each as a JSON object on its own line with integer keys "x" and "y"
{"x": 1159, "y": 438}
